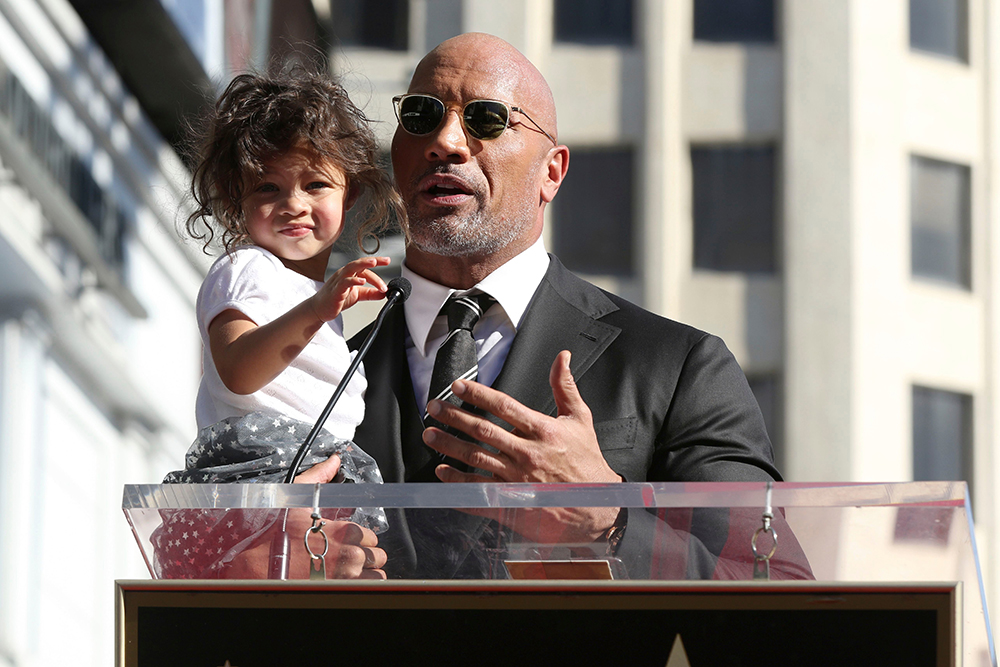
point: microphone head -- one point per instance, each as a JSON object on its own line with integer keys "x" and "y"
{"x": 400, "y": 286}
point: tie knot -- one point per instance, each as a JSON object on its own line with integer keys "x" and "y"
{"x": 464, "y": 311}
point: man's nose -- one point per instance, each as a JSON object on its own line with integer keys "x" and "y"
{"x": 448, "y": 143}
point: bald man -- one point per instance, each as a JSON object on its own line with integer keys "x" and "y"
{"x": 574, "y": 384}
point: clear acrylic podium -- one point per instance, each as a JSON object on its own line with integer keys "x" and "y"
{"x": 831, "y": 538}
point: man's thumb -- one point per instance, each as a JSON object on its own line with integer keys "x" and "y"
{"x": 321, "y": 473}
{"x": 564, "y": 390}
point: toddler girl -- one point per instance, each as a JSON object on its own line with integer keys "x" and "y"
{"x": 282, "y": 161}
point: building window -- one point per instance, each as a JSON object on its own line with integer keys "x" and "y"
{"x": 766, "y": 389}
{"x": 592, "y": 216}
{"x": 942, "y": 435}
{"x": 940, "y": 27}
{"x": 940, "y": 221}
{"x": 733, "y": 206}
{"x": 594, "y": 21}
{"x": 377, "y": 24}
{"x": 734, "y": 20}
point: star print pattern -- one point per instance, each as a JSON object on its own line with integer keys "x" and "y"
{"x": 259, "y": 447}
{"x": 255, "y": 448}
{"x": 208, "y": 556}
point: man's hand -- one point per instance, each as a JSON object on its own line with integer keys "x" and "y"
{"x": 321, "y": 473}
{"x": 353, "y": 552}
{"x": 540, "y": 449}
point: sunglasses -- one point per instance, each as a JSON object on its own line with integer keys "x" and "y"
{"x": 483, "y": 119}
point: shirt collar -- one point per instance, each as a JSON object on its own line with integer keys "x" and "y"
{"x": 512, "y": 285}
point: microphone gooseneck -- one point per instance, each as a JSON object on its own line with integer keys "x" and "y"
{"x": 398, "y": 291}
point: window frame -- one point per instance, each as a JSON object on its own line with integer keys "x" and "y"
{"x": 775, "y": 260}
{"x": 633, "y": 255}
{"x": 965, "y": 242}
{"x": 595, "y": 40}
{"x": 962, "y": 54}
{"x": 967, "y": 437}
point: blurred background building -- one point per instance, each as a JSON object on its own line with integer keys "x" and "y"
{"x": 813, "y": 180}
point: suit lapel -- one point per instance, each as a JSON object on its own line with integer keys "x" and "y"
{"x": 391, "y": 415}
{"x": 563, "y": 315}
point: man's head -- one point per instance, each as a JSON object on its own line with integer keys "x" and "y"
{"x": 472, "y": 203}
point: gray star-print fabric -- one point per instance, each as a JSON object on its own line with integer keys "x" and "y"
{"x": 259, "y": 447}
{"x": 256, "y": 448}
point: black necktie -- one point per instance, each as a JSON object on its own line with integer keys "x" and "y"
{"x": 456, "y": 358}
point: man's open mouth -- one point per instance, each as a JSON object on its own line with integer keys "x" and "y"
{"x": 444, "y": 187}
{"x": 444, "y": 190}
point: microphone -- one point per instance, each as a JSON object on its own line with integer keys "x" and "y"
{"x": 398, "y": 288}
{"x": 397, "y": 291}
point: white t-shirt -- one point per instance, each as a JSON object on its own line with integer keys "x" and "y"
{"x": 254, "y": 282}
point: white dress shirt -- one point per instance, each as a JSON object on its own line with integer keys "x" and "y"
{"x": 512, "y": 285}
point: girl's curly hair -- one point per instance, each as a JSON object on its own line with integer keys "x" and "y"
{"x": 258, "y": 117}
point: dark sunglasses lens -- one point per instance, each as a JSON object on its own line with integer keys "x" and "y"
{"x": 485, "y": 119}
{"x": 419, "y": 114}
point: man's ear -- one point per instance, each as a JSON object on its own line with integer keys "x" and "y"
{"x": 353, "y": 192}
{"x": 556, "y": 166}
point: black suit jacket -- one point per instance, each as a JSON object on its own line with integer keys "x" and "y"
{"x": 669, "y": 402}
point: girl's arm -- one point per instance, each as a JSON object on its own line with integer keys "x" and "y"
{"x": 248, "y": 356}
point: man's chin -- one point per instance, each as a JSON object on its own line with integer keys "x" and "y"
{"x": 449, "y": 235}
{"x": 463, "y": 234}
{"x": 448, "y": 247}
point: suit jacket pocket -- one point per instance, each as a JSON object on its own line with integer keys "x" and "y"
{"x": 616, "y": 433}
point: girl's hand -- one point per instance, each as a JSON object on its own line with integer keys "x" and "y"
{"x": 350, "y": 284}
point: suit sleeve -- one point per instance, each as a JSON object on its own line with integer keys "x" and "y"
{"x": 712, "y": 431}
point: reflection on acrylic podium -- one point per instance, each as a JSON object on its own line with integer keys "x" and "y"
{"x": 696, "y": 573}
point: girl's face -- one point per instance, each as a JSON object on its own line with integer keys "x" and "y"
{"x": 297, "y": 209}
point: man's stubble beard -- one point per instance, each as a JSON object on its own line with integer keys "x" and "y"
{"x": 469, "y": 234}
